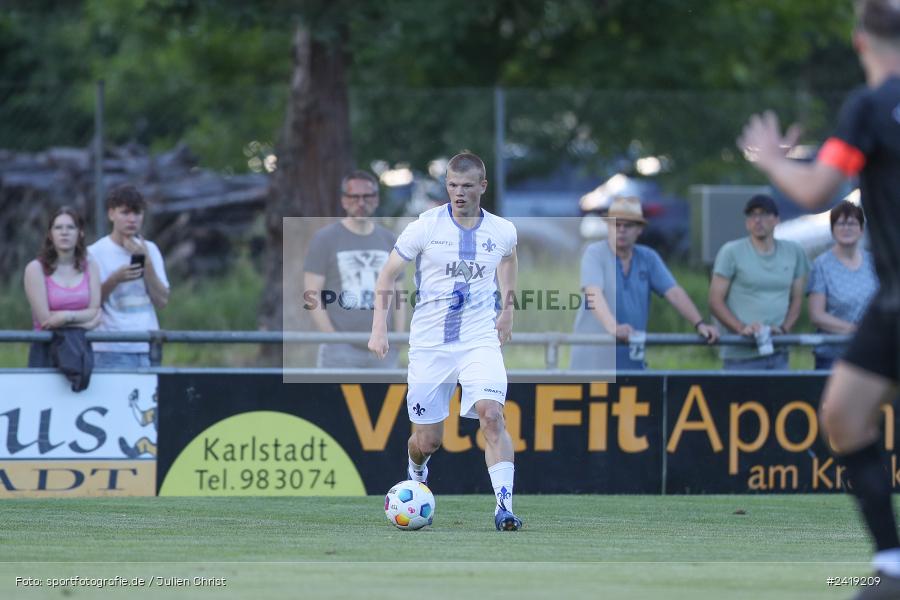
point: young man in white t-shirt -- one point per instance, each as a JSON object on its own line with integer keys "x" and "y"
{"x": 462, "y": 253}
{"x": 133, "y": 280}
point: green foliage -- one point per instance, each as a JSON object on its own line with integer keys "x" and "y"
{"x": 227, "y": 303}
{"x": 215, "y": 74}
{"x": 570, "y": 68}
{"x": 207, "y": 74}
{"x": 14, "y": 314}
{"x": 38, "y": 67}
{"x": 14, "y": 310}
{"x": 217, "y": 303}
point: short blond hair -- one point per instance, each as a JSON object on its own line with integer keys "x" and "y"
{"x": 465, "y": 161}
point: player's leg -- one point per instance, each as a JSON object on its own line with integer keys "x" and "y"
{"x": 432, "y": 379}
{"x": 483, "y": 378}
{"x": 499, "y": 456}
{"x": 424, "y": 441}
{"x": 498, "y": 450}
{"x": 850, "y": 414}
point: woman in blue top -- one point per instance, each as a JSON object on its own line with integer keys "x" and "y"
{"x": 842, "y": 282}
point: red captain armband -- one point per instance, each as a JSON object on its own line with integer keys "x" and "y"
{"x": 837, "y": 153}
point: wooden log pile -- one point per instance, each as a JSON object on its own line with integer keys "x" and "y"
{"x": 198, "y": 217}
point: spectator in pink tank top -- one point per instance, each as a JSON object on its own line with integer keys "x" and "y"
{"x": 62, "y": 284}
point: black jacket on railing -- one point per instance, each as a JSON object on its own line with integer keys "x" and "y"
{"x": 71, "y": 353}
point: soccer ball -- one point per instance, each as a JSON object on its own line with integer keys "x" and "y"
{"x": 409, "y": 505}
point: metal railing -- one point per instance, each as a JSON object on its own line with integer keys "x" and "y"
{"x": 550, "y": 340}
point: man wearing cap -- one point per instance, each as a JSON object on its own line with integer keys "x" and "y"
{"x": 617, "y": 276}
{"x": 758, "y": 281}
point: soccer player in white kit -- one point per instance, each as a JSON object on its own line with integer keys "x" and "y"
{"x": 462, "y": 254}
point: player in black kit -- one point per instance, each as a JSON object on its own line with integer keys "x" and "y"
{"x": 866, "y": 144}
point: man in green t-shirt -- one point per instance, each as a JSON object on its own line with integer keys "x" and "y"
{"x": 758, "y": 282}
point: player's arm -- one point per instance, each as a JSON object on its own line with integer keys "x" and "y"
{"x": 793, "y": 313}
{"x": 811, "y": 185}
{"x": 718, "y": 291}
{"x": 399, "y": 307}
{"x": 507, "y": 277}
{"x": 384, "y": 292}
{"x": 312, "y": 284}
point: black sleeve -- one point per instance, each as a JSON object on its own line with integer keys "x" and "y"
{"x": 854, "y": 138}
{"x": 855, "y": 123}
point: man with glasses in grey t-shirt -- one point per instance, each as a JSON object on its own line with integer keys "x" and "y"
{"x": 341, "y": 267}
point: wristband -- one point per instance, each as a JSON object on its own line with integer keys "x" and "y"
{"x": 698, "y": 323}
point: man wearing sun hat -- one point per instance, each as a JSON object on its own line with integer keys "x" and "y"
{"x": 757, "y": 288}
{"x": 617, "y": 276}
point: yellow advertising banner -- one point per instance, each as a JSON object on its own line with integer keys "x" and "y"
{"x": 263, "y": 453}
{"x": 70, "y": 478}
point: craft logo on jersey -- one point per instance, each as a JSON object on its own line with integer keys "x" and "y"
{"x": 489, "y": 245}
{"x": 466, "y": 270}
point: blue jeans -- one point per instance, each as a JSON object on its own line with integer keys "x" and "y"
{"x": 773, "y": 362}
{"x": 39, "y": 356}
{"x": 121, "y": 360}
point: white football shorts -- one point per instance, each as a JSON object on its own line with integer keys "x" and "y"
{"x": 433, "y": 373}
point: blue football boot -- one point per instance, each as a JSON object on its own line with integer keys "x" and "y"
{"x": 504, "y": 520}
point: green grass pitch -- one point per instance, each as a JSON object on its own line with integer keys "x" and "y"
{"x": 673, "y": 547}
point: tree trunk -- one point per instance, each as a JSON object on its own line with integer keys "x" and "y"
{"x": 313, "y": 155}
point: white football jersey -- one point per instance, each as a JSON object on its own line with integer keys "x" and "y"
{"x": 457, "y": 297}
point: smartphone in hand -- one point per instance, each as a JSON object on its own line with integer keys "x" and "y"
{"x": 138, "y": 259}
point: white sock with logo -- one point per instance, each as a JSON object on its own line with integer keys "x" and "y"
{"x": 419, "y": 472}
{"x": 502, "y": 481}
{"x": 888, "y": 562}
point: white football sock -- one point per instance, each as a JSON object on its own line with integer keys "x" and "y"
{"x": 419, "y": 472}
{"x": 888, "y": 562}
{"x": 502, "y": 482}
